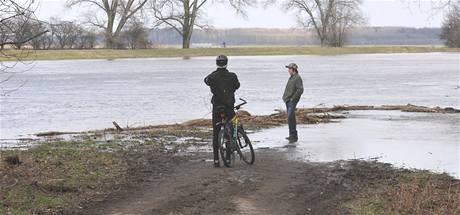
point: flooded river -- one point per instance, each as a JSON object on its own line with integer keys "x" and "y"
{"x": 89, "y": 94}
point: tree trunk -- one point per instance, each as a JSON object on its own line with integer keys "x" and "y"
{"x": 185, "y": 43}
{"x": 186, "y": 39}
{"x": 109, "y": 40}
{"x": 323, "y": 41}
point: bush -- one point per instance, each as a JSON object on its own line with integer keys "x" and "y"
{"x": 451, "y": 27}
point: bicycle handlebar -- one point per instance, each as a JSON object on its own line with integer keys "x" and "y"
{"x": 239, "y": 106}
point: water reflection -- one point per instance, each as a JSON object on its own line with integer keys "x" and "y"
{"x": 412, "y": 140}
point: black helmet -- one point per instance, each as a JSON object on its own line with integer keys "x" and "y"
{"x": 221, "y": 60}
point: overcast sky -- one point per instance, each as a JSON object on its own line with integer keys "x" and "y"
{"x": 378, "y": 13}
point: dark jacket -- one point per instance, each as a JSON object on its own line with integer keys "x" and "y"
{"x": 223, "y": 85}
{"x": 294, "y": 88}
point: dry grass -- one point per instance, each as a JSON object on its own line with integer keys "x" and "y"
{"x": 411, "y": 193}
{"x": 232, "y": 51}
{"x": 425, "y": 194}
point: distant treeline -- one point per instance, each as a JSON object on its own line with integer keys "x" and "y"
{"x": 263, "y": 36}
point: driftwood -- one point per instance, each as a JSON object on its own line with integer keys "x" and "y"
{"x": 304, "y": 116}
{"x": 117, "y": 126}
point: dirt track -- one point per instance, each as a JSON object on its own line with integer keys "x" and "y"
{"x": 273, "y": 185}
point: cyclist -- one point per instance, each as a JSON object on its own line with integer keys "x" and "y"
{"x": 223, "y": 85}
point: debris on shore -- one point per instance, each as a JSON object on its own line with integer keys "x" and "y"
{"x": 403, "y": 108}
{"x": 304, "y": 116}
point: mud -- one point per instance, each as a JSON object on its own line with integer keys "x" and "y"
{"x": 273, "y": 185}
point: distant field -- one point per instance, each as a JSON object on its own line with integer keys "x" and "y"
{"x": 232, "y": 51}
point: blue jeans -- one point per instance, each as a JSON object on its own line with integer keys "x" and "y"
{"x": 290, "y": 107}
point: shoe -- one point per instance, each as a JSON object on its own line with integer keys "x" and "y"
{"x": 216, "y": 164}
{"x": 293, "y": 140}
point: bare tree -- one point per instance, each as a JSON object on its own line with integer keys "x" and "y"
{"x": 117, "y": 14}
{"x": 327, "y": 16}
{"x": 22, "y": 27}
{"x": 87, "y": 38}
{"x": 451, "y": 27}
{"x": 43, "y": 41}
{"x": 443, "y": 4}
{"x": 6, "y": 33}
{"x": 136, "y": 35}
{"x": 316, "y": 13}
{"x": 65, "y": 32}
{"x": 48, "y": 40}
{"x": 10, "y": 11}
{"x": 345, "y": 16}
{"x": 183, "y": 15}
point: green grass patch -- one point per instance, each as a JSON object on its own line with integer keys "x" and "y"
{"x": 232, "y": 51}
{"x": 13, "y": 211}
{"x": 26, "y": 200}
{"x": 56, "y": 175}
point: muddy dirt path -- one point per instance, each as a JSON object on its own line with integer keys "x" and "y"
{"x": 273, "y": 185}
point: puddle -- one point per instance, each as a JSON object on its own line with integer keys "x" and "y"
{"x": 410, "y": 140}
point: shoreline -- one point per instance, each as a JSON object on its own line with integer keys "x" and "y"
{"x": 304, "y": 116}
{"x": 76, "y": 54}
{"x": 88, "y": 176}
{"x": 253, "y": 121}
{"x": 108, "y": 170}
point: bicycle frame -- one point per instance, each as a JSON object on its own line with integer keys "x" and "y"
{"x": 233, "y": 139}
{"x": 234, "y": 123}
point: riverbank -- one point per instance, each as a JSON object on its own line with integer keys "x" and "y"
{"x": 164, "y": 169}
{"x": 231, "y": 51}
{"x": 113, "y": 178}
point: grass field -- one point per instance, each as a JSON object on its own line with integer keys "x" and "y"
{"x": 233, "y": 51}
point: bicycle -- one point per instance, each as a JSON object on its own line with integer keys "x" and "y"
{"x": 233, "y": 139}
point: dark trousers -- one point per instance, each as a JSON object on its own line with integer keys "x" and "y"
{"x": 290, "y": 107}
{"x": 216, "y": 118}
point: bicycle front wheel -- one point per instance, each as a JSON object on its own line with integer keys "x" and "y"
{"x": 245, "y": 149}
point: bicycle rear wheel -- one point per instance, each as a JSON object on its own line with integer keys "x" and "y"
{"x": 245, "y": 149}
{"x": 224, "y": 148}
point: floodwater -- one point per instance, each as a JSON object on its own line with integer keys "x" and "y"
{"x": 411, "y": 140}
{"x": 80, "y": 95}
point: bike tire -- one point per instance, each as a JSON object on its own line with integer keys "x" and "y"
{"x": 247, "y": 157}
{"x": 223, "y": 148}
